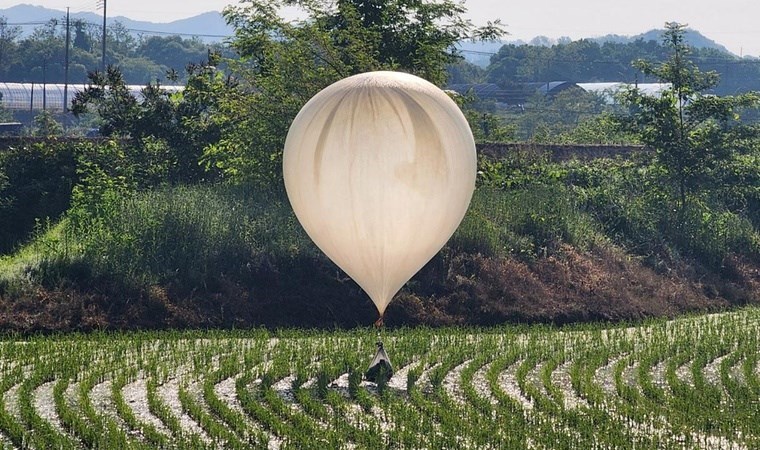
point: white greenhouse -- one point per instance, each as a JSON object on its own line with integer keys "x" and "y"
{"x": 50, "y": 97}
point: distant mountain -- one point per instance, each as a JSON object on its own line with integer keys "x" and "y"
{"x": 479, "y": 53}
{"x": 692, "y": 37}
{"x": 208, "y": 26}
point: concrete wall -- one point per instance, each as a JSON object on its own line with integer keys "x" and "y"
{"x": 556, "y": 152}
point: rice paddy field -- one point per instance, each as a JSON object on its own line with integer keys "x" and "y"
{"x": 690, "y": 383}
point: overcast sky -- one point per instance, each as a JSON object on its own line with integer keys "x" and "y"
{"x": 733, "y": 23}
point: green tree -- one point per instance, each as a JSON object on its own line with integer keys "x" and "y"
{"x": 173, "y": 52}
{"x": 168, "y": 130}
{"x": 109, "y": 97}
{"x": 691, "y": 132}
{"x": 46, "y": 125}
{"x": 8, "y": 36}
{"x": 82, "y": 39}
{"x": 283, "y": 64}
{"x": 42, "y": 54}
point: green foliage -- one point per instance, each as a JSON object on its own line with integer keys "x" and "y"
{"x": 588, "y": 397}
{"x": 691, "y": 133}
{"x": 137, "y": 236}
{"x": 46, "y": 125}
{"x": 599, "y": 129}
{"x": 283, "y": 64}
{"x": 171, "y": 53}
{"x": 572, "y": 116}
{"x": 36, "y": 180}
{"x": 712, "y": 235}
{"x": 488, "y": 127}
{"x": 113, "y": 103}
{"x": 588, "y": 61}
{"x": 169, "y": 131}
{"x": 528, "y": 221}
{"x": 628, "y": 200}
{"x": 39, "y": 56}
{"x": 105, "y": 177}
{"x": 527, "y": 205}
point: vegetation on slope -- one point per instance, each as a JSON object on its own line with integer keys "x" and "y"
{"x": 178, "y": 219}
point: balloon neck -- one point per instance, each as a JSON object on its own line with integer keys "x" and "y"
{"x": 379, "y": 323}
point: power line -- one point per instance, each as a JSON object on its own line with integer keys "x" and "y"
{"x": 697, "y": 59}
{"x": 134, "y": 30}
{"x": 179, "y": 34}
{"x": 700, "y": 59}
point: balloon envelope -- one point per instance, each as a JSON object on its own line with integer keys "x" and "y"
{"x": 380, "y": 169}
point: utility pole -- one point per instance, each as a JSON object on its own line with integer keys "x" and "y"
{"x": 44, "y": 84}
{"x": 66, "y": 66}
{"x": 103, "y": 61}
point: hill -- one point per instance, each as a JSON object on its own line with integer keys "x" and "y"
{"x": 479, "y": 53}
{"x": 209, "y": 26}
{"x": 693, "y": 38}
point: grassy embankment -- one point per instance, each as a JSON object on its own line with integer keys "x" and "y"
{"x": 542, "y": 242}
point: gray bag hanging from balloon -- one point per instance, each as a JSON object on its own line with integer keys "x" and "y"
{"x": 380, "y": 367}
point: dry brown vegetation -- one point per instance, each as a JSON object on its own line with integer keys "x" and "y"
{"x": 600, "y": 284}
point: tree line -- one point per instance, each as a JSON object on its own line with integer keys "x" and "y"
{"x": 40, "y": 57}
{"x": 587, "y": 60}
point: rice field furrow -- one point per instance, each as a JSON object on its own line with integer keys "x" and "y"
{"x": 284, "y": 388}
{"x": 44, "y": 405}
{"x": 711, "y": 371}
{"x": 604, "y": 376}
{"x": 736, "y": 372}
{"x": 10, "y": 400}
{"x": 100, "y": 398}
{"x": 423, "y": 382}
{"x": 168, "y": 394}
{"x": 452, "y": 383}
{"x": 530, "y": 381}
{"x": 685, "y": 384}
{"x": 481, "y": 384}
{"x": 399, "y": 379}
{"x": 684, "y": 374}
{"x": 657, "y": 374}
{"x": 136, "y": 396}
{"x": 560, "y": 377}
{"x": 508, "y": 383}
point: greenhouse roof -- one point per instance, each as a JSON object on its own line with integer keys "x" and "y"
{"x": 38, "y": 96}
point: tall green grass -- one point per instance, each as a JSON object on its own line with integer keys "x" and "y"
{"x": 195, "y": 235}
{"x": 527, "y": 222}
{"x": 192, "y": 233}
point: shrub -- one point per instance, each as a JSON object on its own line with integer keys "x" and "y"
{"x": 528, "y": 221}
{"x": 190, "y": 234}
{"x": 36, "y": 179}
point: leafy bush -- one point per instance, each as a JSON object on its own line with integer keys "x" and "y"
{"x": 36, "y": 179}
{"x": 527, "y": 222}
{"x": 528, "y": 205}
{"x": 636, "y": 210}
{"x": 711, "y": 235}
{"x": 190, "y": 234}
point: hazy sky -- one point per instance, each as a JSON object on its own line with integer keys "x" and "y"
{"x": 733, "y": 23}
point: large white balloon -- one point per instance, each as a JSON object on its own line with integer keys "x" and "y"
{"x": 380, "y": 168}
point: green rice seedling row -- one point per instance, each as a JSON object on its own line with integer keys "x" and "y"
{"x": 681, "y": 384}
